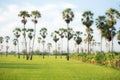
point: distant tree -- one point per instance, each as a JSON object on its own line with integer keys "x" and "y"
{"x": 118, "y": 37}
{"x": 24, "y": 14}
{"x": 24, "y": 30}
{"x": 17, "y": 35}
{"x": 87, "y": 20}
{"x": 1, "y": 41}
{"x": 49, "y": 46}
{"x": 15, "y": 41}
{"x": 43, "y": 43}
{"x": 100, "y": 23}
{"x": 43, "y": 33}
{"x": 61, "y": 33}
{"x": 55, "y": 39}
{"x": 36, "y": 14}
{"x": 77, "y": 38}
{"x": 39, "y": 41}
{"x": 30, "y": 36}
{"x": 7, "y": 47}
{"x": 111, "y": 21}
{"x": 68, "y": 16}
{"x": 69, "y": 33}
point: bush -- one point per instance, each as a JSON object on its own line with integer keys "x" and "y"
{"x": 107, "y": 59}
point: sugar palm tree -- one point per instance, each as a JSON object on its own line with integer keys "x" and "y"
{"x": 55, "y": 39}
{"x": 69, "y": 33}
{"x": 39, "y": 41}
{"x": 30, "y": 36}
{"x": 111, "y": 21}
{"x": 24, "y": 14}
{"x": 118, "y": 37}
{"x": 24, "y": 30}
{"x": 107, "y": 34}
{"x": 1, "y": 41}
{"x": 43, "y": 33}
{"x": 77, "y": 38}
{"x": 100, "y": 23}
{"x": 15, "y": 41}
{"x": 49, "y": 46}
{"x": 61, "y": 33}
{"x": 90, "y": 37}
{"x": 17, "y": 35}
{"x": 36, "y": 14}
{"x": 7, "y": 40}
{"x": 43, "y": 43}
{"x": 87, "y": 20}
{"x": 68, "y": 16}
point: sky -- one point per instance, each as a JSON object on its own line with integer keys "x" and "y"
{"x": 51, "y": 16}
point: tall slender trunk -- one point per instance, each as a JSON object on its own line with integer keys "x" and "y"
{"x": 43, "y": 51}
{"x": 78, "y": 48}
{"x": 67, "y": 43}
{"x": 55, "y": 50}
{"x": 33, "y": 41}
{"x": 18, "y": 50}
{"x": 27, "y": 57}
{"x": 30, "y": 48}
{"x": 90, "y": 46}
{"x": 88, "y": 41}
{"x": 109, "y": 46}
{"x": 112, "y": 41}
{"x": 101, "y": 43}
{"x": 15, "y": 50}
{"x": 39, "y": 48}
{"x": 49, "y": 52}
{"x": 6, "y": 49}
{"x": 62, "y": 48}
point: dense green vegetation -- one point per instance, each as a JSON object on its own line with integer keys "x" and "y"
{"x": 107, "y": 59}
{"x": 12, "y": 68}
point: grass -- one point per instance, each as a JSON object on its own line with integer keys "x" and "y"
{"x": 12, "y": 68}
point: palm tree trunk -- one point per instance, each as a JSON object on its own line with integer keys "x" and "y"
{"x": 49, "y": 52}
{"x": 39, "y": 48}
{"x": 109, "y": 46}
{"x": 6, "y": 50}
{"x": 88, "y": 41}
{"x": 55, "y": 50}
{"x": 27, "y": 57}
{"x": 30, "y": 48}
{"x": 112, "y": 41}
{"x": 101, "y": 43}
{"x": 18, "y": 50}
{"x": 90, "y": 46}
{"x": 33, "y": 41}
{"x": 15, "y": 50}
{"x": 67, "y": 43}
{"x": 62, "y": 49}
{"x": 43, "y": 51}
{"x": 78, "y": 48}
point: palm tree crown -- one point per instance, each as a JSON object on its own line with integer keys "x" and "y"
{"x": 43, "y": 32}
{"x": 24, "y": 14}
{"x": 7, "y": 38}
{"x": 87, "y": 19}
{"x": 35, "y": 14}
{"x": 1, "y": 39}
{"x": 30, "y": 35}
{"x": 68, "y": 15}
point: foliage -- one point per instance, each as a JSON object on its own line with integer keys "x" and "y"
{"x": 107, "y": 59}
{"x": 68, "y": 15}
{"x": 43, "y": 32}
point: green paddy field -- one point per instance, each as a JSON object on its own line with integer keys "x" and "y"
{"x": 12, "y": 68}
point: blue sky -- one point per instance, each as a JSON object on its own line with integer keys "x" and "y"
{"x": 51, "y": 11}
